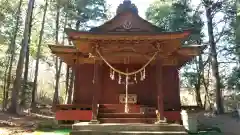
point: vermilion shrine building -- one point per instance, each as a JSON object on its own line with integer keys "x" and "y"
{"x": 125, "y": 57}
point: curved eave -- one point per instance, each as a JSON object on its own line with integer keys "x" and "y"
{"x": 187, "y": 53}
{"x": 66, "y": 53}
{"x": 61, "y": 48}
{"x": 76, "y": 35}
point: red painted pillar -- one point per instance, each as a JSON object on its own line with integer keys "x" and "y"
{"x": 96, "y": 91}
{"x": 159, "y": 80}
{"x": 76, "y": 79}
{"x": 178, "y": 89}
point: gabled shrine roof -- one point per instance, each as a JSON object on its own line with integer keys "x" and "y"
{"x": 127, "y": 35}
{"x": 126, "y": 16}
{"x": 127, "y": 12}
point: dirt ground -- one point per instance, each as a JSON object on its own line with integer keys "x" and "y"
{"x": 25, "y": 125}
{"x": 20, "y": 125}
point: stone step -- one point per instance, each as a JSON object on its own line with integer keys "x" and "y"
{"x": 128, "y": 127}
{"x": 127, "y": 120}
{"x": 126, "y": 115}
{"x": 118, "y": 110}
{"x": 85, "y": 132}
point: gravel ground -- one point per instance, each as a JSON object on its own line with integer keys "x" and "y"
{"x": 24, "y": 125}
{"x": 20, "y": 125}
{"x": 227, "y": 124}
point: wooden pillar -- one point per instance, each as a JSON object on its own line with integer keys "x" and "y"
{"x": 76, "y": 79}
{"x": 178, "y": 89}
{"x": 96, "y": 91}
{"x": 159, "y": 83}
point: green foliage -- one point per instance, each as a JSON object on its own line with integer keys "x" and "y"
{"x": 127, "y": 6}
{"x": 238, "y": 8}
{"x": 7, "y": 23}
{"x": 85, "y": 11}
{"x": 159, "y": 14}
{"x": 176, "y": 15}
{"x": 234, "y": 79}
{"x": 190, "y": 79}
{"x": 233, "y": 38}
{"x": 2, "y": 17}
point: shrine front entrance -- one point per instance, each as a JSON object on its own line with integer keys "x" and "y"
{"x": 113, "y": 91}
{"x": 125, "y": 70}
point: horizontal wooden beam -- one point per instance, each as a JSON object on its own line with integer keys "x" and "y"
{"x": 189, "y": 51}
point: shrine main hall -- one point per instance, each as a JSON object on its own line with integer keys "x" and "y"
{"x": 126, "y": 70}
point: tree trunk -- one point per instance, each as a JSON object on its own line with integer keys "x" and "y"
{"x": 56, "y": 92}
{"x": 70, "y": 91}
{"x": 17, "y": 82}
{"x": 206, "y": 85}
{"x": 198, "y": 94}
{"x": 214, "y": 62}
{"x": 25, "y": 78}
{"x": 55, "y": 97}
{"x": 5, "y": 97}
{"x": 12, "y": 50}
{"x": 34, "y": 91}
{"x": 200, "y": 68}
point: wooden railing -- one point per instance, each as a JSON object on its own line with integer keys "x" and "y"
{"x": 74, "y": 107}
{"x": 74, "y": 112}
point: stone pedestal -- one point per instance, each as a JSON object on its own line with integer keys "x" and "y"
{"x": 238, "y": 110}
{"x": 189, "y": 121}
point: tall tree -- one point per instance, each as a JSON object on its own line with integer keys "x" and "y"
{"x": 211, "y": 9}
{"x": 17, "y": 82}
{"x": 10, "y": 59}
{"x": 34, "y": 91}
{"x": 234, "y": 39}
{"x": 26, "y": 67}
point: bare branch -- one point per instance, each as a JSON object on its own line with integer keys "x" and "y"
{"x": 221, "y": 33}
{"x": 228, "y": 62}
{"x": 220, "y": 21}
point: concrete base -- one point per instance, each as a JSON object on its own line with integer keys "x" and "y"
{"x": 161, "y": 122}
{"x": 126, "y": 133}
{"x": 128, "y": 129}
{"x": 94, "y": 122}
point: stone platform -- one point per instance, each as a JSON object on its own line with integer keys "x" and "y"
{"x": 127, "y": 129}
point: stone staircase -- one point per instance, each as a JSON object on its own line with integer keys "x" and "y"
{"x": 115, "y": 114}
{"x": 113, "y": 121}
